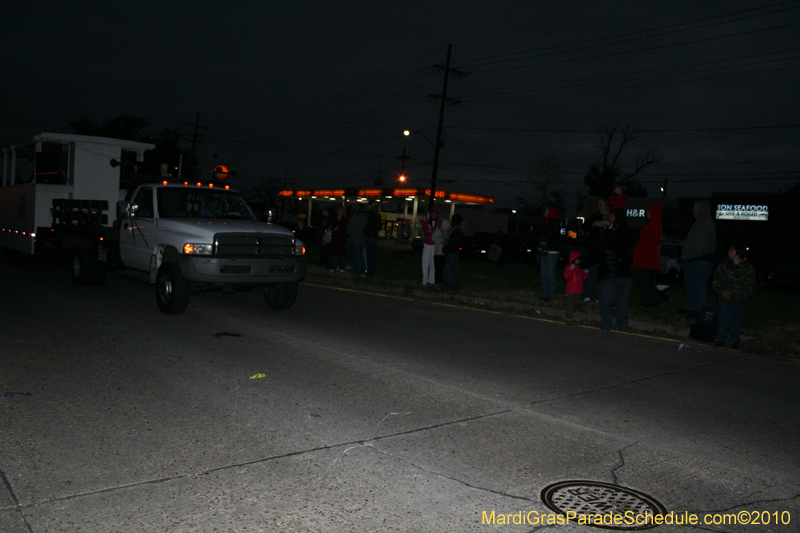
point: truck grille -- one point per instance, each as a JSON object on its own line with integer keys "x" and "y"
{"x": 249, "y": 245}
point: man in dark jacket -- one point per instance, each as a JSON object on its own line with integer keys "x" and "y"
{"x": 451, "y": 249}
{"x": 614, "y": 271}
{"x": 699, "y": 255}
{"x": 595, "y": 226}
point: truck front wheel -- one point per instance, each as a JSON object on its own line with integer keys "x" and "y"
{"x": 172, "y": 289}
{"x": 281, "y": 295}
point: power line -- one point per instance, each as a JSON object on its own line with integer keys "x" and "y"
{"x": 552, "y": 50}
{"x": 644, "y": 130}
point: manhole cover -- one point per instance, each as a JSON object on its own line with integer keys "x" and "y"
{"x": 603, "y": 505}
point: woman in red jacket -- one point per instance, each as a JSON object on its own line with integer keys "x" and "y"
{"x": 647, "y": 256}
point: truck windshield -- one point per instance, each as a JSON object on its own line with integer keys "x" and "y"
{"x": 179, "y": 202}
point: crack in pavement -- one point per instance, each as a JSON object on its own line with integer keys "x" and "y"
{"x": 451, "y": 478}
{"x": 188, "y": 475}
{"x": 622, "y": 461}
{"x": 638, "y": 380}
{"x": 14, "y": 498}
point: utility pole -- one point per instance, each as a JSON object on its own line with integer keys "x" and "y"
{"x": 443, "y": 101}
{"x": 283, "y": 198}
{"x": 403, "y": 159}
{"x": 195, "y": 142}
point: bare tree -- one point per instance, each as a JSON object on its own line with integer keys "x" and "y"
{"x": 546, "y": 176}
{"x": 602, "y": 176}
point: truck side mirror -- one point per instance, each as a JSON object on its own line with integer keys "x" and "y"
{"x": 122, "y": 209}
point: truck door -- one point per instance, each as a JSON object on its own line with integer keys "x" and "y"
{"x": 138, "y": 231}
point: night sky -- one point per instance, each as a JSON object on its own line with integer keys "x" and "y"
{"x": 319, "y": 93}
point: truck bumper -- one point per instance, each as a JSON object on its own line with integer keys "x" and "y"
{"x": 252, "y": 272}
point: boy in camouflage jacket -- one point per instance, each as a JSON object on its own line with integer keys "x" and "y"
{"x": 734, "y": 282}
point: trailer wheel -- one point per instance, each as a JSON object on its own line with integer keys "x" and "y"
{"x": 172, "y": 289}
{"x": 86, "y": 269}
{"x": 80, "y": 267}
{"x": 281, "y": 295}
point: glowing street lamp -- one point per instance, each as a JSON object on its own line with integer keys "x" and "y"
{"x": 437, "y": 145}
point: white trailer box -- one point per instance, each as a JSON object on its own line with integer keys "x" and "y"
{"x": 56, "y": 165}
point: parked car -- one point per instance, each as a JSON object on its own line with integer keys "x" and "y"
{"x": 477, "y": 245}
{"x": 784, "y": 278}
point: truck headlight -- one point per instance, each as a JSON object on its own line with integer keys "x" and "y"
{"x": 197, "y": 249}
{"x": 299, "y": 248}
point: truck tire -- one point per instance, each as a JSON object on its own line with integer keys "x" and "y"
{"x": 86, "y": 269}
{"x": 281, "y": 295}
{"x": 172, "y": 289}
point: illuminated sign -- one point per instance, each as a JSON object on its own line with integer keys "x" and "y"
{"x": 336, "y": 192}
{"x": 369, "y": 192}
{"x": 438, "y": 194}
{"x": 285, "y": 193}
{"x": 636, "y": 213}
{"x": 742, "y": 212}
{"x": 405, "y": 192}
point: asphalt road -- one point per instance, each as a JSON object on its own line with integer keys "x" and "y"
{"x": 365, "y": 413}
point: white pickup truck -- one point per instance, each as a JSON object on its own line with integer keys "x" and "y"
{"x": 60, "y": 194}
{"x": 188, "y": 236}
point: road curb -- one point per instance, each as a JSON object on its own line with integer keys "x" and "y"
{"x": 344, "y": 280}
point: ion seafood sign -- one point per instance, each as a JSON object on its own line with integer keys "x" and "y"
{"x": 742, "y": 212}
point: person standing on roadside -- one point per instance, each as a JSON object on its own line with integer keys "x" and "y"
{"x": 451, "y": 249}
{"x": 549, "y": 257}
{"x": 439, "y": 237}
{"x": 371, "y": 231}
{"x": 699, "y": 255}
{"x": 647, "y": 257}
{"x": 734, "y": 282}
{"x": 429, "y": 224}
{"x": 575, "y": 275}
{"x": 336, "y": 248}
{"x": 323, "y": 246}
{"x": 355, "y": 229}
{"x": 615, "y": 276}
{"x": 595, "y": 226}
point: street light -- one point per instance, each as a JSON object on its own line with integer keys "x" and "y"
{"x": 437, "y": 145}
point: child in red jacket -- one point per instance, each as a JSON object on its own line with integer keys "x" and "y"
{"x": 575, "y": 276}
{"x": 618, "y": 199}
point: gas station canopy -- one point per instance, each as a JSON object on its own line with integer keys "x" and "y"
{"x": 385, "y": 193}
{"x": 408, "y": 196}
